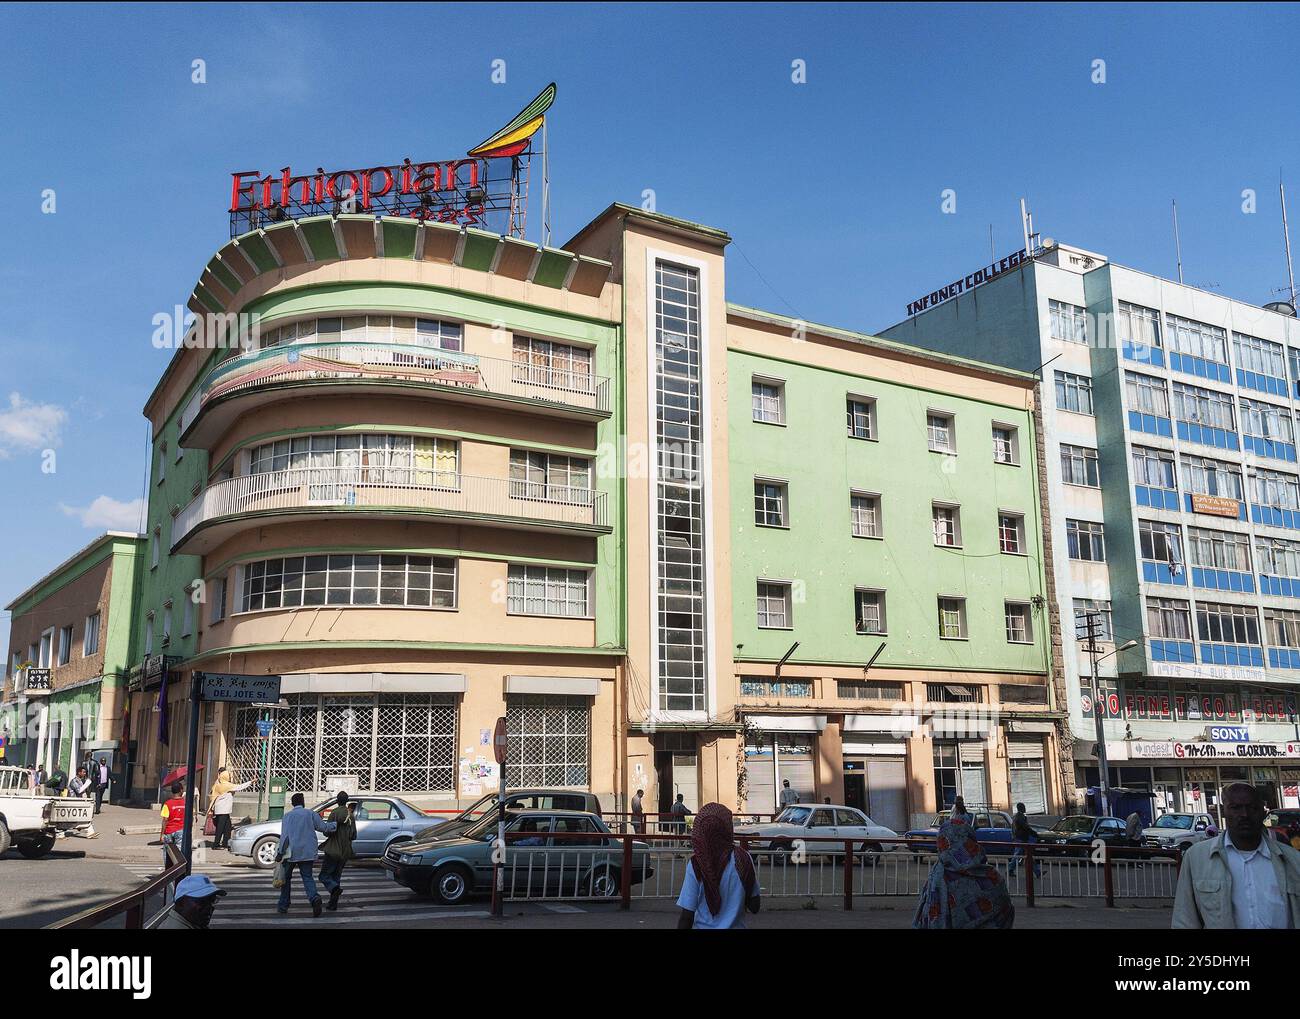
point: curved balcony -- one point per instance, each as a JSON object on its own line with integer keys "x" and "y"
{"x": 309, "y": 493}
{"x": 240, "y": 383}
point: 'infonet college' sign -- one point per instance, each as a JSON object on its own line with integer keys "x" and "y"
{"x": 960, "y": 286}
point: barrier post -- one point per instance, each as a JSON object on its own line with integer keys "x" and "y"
{"x": 625, "y": 876}
{"x": 1029, "y": 875}
{"x": 848, "y": 874}
{"x": 1109, "y": 875}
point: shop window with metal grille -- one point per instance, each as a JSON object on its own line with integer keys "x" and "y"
{"x": 868, "y": 690}
{"x": 1016, "y": 693}
{"x": 953, "y": 693}
{"x": 758, "y": 686}
{"x": 548, "y": 741}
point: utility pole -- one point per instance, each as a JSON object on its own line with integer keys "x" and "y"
{"x": 1091, "y": 632}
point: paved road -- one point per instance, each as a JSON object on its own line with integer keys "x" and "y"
{"x": 34, "y": 893}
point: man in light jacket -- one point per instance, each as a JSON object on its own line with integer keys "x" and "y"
{"x": 1241, "y": 879}
{"x": 298, "y": 848}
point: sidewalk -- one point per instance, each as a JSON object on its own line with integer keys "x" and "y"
{"x": 120, "y": 848}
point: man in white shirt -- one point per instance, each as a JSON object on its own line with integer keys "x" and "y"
{"x": 1242, "y": 879}
{"x": 788, "y": 796}
{"x": 638, "y": 813}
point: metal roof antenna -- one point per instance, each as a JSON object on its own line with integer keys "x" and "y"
{"x": 1178, "y": 246}
{"x": 1286, "y": 238}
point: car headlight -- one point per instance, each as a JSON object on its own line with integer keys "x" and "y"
{"x": 407, "y": 858}
{"x": 237, "y": 833}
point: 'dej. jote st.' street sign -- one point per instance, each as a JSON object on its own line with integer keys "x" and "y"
{"x": 224, "y": 686}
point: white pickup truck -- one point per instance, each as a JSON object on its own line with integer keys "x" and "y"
{"x": 31, "y": 820}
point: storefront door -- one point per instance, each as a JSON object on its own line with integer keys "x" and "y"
{"x": 855, "y": 790}
{"x": 887, "y": 793}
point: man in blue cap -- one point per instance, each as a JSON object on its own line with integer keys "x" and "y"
{"x": 196, "y": 898}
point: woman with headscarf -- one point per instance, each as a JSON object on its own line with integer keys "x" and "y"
{"x": 963, "y": 890}
{"x": 720, "y": 882}
{"x": 220, "y": 803}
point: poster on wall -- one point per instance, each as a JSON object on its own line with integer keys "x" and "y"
{"x": 477, "y": 774}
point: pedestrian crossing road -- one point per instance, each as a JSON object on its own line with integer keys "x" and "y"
{"x": 370, "y": 897}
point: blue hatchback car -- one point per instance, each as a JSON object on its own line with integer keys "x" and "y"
{"x": 992, "y": 831}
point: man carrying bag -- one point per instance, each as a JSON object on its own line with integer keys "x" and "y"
{"x": 338, "y": 849}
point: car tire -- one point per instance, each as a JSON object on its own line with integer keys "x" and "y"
{"x": 605, "y": 883}
{"x": 452, "y": 884}
{"x": 870, "y": 853}
{"x": 6, "y": 840}
{"x": 265, "y": 850}
{"x": 34, "y": 849}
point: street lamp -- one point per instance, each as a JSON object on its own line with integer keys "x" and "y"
{"x": 1102, "y": 764}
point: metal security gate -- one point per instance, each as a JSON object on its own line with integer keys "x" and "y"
{"x": 1025, "y": 762}
{"x": 549, "y": 741}
{"x": 391, "y": 743}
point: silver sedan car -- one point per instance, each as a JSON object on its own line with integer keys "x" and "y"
{"x": 382, "y": 821}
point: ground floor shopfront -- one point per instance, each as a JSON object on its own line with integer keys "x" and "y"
{"x": 60, "y": 729}
{"x": 423, "y": 734}
{"x": 901, "y": 768}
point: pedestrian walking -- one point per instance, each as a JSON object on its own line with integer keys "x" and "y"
{"x": 1240, "y": 879}
{"x": 38, "y": 778}
{"x": 1022, "y": 831}
{"x": 960, "y": 813}
{"x": 638, "y": 813}
{"x": 680, "y": 812}
{"x": 1133, "y": 828}
{"x": 963, "y": 890}
{"x": 298, "y": 850}
{"x": 100, "y": 771}
{"x": 788, "y": 796}
{"x": 80, "y": 784}
{"x": 221, "y": 801}
{"x": 173, "y": 821}
{"x": 196, "y": 899}
{"x": 338, "y": 848}
{"x": 720, "y": 883}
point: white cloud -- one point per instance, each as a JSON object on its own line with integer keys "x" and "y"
{"x": 27, "y": 427}
{"x": 107, "y": 514}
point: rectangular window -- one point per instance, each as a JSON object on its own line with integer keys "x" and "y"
{"x": 1283, "y": 627}
{"x": 550, "y": 364}
{"x": 550, "y": 477}
{"x": 953, "y": 693}
{"x": 941, "y": 433}
{"x": 1085, "y": 541}
{"x": 1278, "y": 557}
{"x": 1267, "y": 421}
{"x": 1011, "y": 533}
{"x": 1201, "y": 406}
{"x": 335, "y": 464}
{"x": 952, "y": 618}
{"x": 162, "y": 462}
{"x": 757, "y": 686}
{"x": 187, "y": 614}
{"x": 65, "y": 645}
{"x": 393, "y": 580}
{"x": 1161, "y": 543}
{"x": 218, "y": 589}
{"x": 549, "y": 745}
{"x": 1069, "y": 322}
{"x": 861, "y": 414}
{"x": 947, "y": 525}
{"x": 869, "y": 611}
{"x": 90, "y": 639}
{"x": 866, "y": 515}
{"x": 1006, "y": 444}
{"x": 155, "y": 541}
{"x": 1218, "y": 550}
{"x": 1019, "y": 627}
{"x": 1273, "y": 488}
{"x": 1197, "y": 338}
{"x": 1153, "y": 468}
{"x": 548, "y": 591}
{"x": 866, "y": 690}
{"x": 774, "y": 606}
{"x": 1227, "y": 624}
{"x": 1101, "y": 609}
{"x": 1204, "y": 476}
{"x": 1079, "y": 466}
{"x": 770, "y": 503}
{"x": 1146, "y": 394}
{"x": 768, "y": 398}
{"x": 1073, "y": 393}
{"x": 167, "y": 624}
{"x": 1139, "y": 326}
{"x": 1260, "y": 356}
{"x": 148, "y": 633}
{"x": 1168, "y": 619}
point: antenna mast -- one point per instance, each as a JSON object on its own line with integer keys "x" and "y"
{"x": 1286, "y": 237}
{"x": 1178, "y": 246}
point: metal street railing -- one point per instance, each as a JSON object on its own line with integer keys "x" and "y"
{"x": 406, "y": 488}
{"x": 133, "y": 907}
{"x": 571, "y": 386}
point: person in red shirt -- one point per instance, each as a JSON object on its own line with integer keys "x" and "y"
{"x": 173, "y": 820}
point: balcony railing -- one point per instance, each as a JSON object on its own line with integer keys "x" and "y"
{"x": 403, "y": 362}
{"x": 311, "y": 488}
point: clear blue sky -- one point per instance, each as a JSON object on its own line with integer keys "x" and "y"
{"x": 831, "y": 189}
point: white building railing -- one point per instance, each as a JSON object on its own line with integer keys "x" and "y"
{"x": 524, "y": 379}
{"x": 391, "y": 487}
